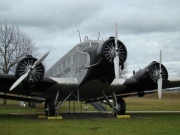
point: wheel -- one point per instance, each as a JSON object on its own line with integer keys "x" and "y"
{"x": 31, "y": 104}
{"x": 121, "y": 107}
{"x": 49, "y": 107}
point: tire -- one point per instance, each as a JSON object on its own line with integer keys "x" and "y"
{"x": 49, "y": 107}
{"x": 121, "y": 107}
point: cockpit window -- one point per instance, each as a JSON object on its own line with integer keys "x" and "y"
{"x": 87, "y": 46}
{"x": 80, "y": 47}
{"x": 94, "y": 44}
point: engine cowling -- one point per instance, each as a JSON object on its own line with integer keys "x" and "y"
{"x": 35, "y": 75}
{"x": 153, "y": 71}
{"x": 108, "y": 51}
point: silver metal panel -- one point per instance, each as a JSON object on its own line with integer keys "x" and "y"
{"x": 64, "y": 84}
{"x": 82, "y": 61}
{"x": 64, "y": 66}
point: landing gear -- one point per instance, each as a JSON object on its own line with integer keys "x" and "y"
{"x": 141, "y": 93}
{"x": 31, "y": 104}
{"x": 49, "y": 107}
{"x": 119, "y": 107}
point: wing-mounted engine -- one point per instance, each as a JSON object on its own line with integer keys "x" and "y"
{"x": 151, "y": 77}
{"x": 148, "y": 77}
{"x": 30, "y": 71}
{"x": 154, "y": 71}
{"x": 108, "y": 51}
{"x": 26, "y": 64}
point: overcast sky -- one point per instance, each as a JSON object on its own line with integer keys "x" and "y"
{"x": 144, "y": 27}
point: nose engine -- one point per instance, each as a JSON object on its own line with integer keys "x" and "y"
{"x": 108, "y": 51}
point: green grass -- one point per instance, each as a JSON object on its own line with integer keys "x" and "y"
{"x": 139, "y": 124}
{"x": 149, "y": 104}
{"x": 23, "y": 120}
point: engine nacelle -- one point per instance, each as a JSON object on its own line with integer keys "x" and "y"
{"x": 150, "y": 74}
{"x": 35, "y": 75}
{"x": 107, "y": 51}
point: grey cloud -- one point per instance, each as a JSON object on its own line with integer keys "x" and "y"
{"x": 56, "y": 15}
{"x": 138, "y": 18}
{"x": 144, "y": 27}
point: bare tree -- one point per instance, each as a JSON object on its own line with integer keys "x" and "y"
{"x": 123, "y": 71}
{"x": 14, "y": 45}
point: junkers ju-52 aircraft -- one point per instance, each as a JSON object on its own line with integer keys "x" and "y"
{"x": 88, "y": 72}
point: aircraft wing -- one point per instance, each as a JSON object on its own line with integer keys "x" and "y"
{"x": 132, "y": 87}
{"x": 146, "y": 79}
{"x": 175, "y": 82}
{"x": 47, "y": 87}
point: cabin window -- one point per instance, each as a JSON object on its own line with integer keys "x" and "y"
{"x": 83, "y": 47}
{"x": 64, "y": 64}
{"x": 80, "y": 47}
{"x": 55, "y": 71}
{"x": 69, "y": 60}
{"x": 74, "y": 58}
{"x": 59, "y": 68}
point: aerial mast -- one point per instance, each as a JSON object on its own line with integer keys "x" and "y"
{"x": 79, "y": 35}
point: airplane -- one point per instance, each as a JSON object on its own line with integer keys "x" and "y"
{"x": 89, "y": 72}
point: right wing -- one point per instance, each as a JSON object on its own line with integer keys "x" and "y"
{"x": 47, "y": 87}
{"x": 175, "y": 82}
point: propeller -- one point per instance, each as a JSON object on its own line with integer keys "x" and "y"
{"x": 29, "y": 71}
{"x": 160, "y": 77}
{"x": 116, "y": 57}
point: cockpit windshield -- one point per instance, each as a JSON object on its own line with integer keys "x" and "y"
{"x": 87, "y": 45}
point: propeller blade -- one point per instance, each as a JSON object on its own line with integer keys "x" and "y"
{"x": 26, "y": 74}
{"x": 116, "y": 67}
{"x": 116, "y": 35}
{"x": 19, "y": 80}
{"x": 159, "y": 87}
{"x": 41, "y": 59}
{"x": 160, "y": 77}
{"x": 160, "y": 60}
{"x": 116, "y": 57}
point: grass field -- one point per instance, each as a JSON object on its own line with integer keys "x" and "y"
{"x": 17, "y": 120}
{"x": 139, "y": 124}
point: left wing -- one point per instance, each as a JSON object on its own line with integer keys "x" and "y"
{"x": 29, "y": 80}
